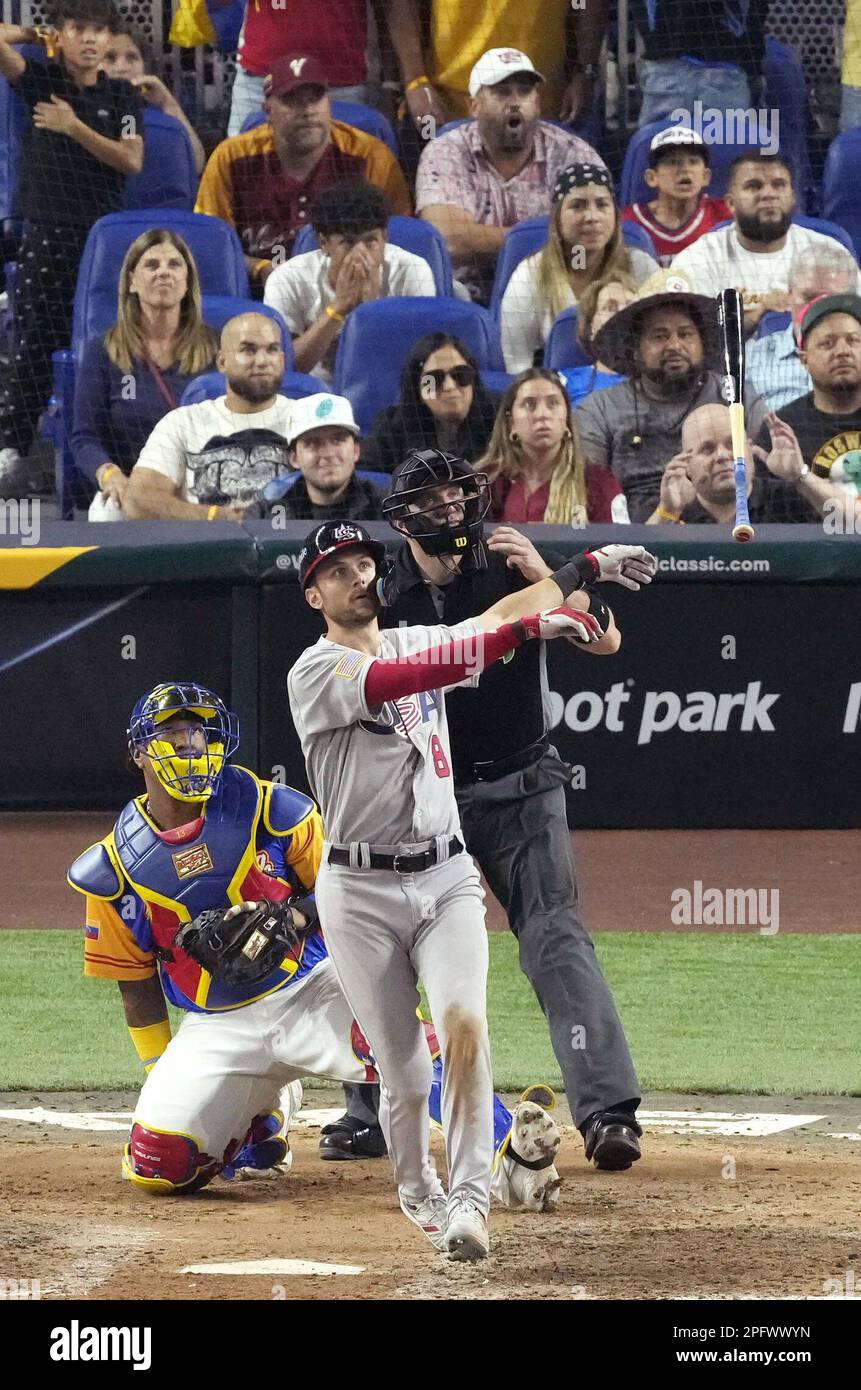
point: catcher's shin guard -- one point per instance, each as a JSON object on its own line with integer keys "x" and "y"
{"x": 166, "y": 1163}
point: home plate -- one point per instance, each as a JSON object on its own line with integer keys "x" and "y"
{"x": 315, "y": 1119}
{"x": 99, "y": 1120}
{"x": 722, "y": 1121}
{"x": 272, "y": 1267}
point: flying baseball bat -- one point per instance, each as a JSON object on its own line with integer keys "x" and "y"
{"x": 731, "y": 322}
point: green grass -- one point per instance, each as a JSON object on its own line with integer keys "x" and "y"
{"x": 703, "y": 1012}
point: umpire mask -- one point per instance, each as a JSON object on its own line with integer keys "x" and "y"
{"x": 441, "y": 527}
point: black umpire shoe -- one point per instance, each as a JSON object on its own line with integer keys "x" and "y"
{"x": 348, "y": 1138}
{"x": 612, "y": 1139}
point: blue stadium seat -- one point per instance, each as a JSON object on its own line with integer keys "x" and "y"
{"x": 377, "y": 337}
{"x": 216, "y": 248}
{"x": 218, "y": 308}
{"x": 280, "y": 486}
{"x": 410, "y": 233}
{"x": 221, "y": 265}
{"x": 841, "y": 185}
{"x": 352, "y": 113}
{"x": 634, "y": 189}
{"x": 816, "y": 224}
{"x": 210, "y": 385}
{"x": 13, "y": 117}
{"x": 786, "y": 93}
{"x": 168, "y": 178}
{"x": 562, "y": 348}
{"x": 529, "y": 236}
{"x": 772, "y": 322}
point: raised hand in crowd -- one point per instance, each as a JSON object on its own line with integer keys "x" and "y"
{"x": 677, "y": 490}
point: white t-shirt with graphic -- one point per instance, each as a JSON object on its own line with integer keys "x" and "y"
{"x": 213, "y": 454}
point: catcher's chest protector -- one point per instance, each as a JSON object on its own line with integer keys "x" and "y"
{"x": 214, "y": 869}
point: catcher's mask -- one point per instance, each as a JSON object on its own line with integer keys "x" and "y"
{"x": 427, "y": 469}
{"x": 193, "y": 776}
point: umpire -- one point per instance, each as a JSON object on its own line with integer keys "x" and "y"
{"x": 510, "y": 786}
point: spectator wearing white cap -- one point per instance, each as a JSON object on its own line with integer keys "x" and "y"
{"x": 323, "y": 441}
{"x": 439, "y": 41}
{"x": 496, "y": 170}
{"x": 681, "y": 210}
{"x": 316, "y": 292}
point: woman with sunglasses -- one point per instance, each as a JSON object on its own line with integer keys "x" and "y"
{"x": 443, "y": 405}
{"x": 584, "y": 243}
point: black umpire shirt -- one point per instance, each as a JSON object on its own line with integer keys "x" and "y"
{"x": 60, "y": 181}
{"x": 506, "y": 712}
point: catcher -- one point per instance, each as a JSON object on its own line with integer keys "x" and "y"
{"x": 202, "y": 895}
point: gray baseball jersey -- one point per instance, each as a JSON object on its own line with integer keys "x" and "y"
{"x": 380, "y": 775}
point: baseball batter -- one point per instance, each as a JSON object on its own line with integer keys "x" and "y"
{"x": 399, "y": 899}
{"x": 204, "y": 836}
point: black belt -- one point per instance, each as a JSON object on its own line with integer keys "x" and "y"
{"x": 398, "y": 863}
{"x": 501, "y": 767}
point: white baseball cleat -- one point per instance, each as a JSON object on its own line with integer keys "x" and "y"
{"x": 526, "y": 1177}
{"x": 466, "y": 1237}
{"x": 430, "y": 1216}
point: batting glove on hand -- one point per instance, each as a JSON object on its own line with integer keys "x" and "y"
{"x": 562, "y": 622}
{"x": 629, "y": 565}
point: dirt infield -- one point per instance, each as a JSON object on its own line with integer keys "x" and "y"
{"x": 626, "y": 877}
{"x": 678, "y": 1225}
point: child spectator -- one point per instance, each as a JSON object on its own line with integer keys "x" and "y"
{"x": 316, "y": 292}
{"x": 535, "y": 463}
{"x": 584, "y": 243}
{"x": 83, "y": 138}
{"x": 128, "y": 56}
{"x": 681, "y": 211}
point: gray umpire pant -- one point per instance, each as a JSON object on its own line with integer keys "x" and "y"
{"x": 517, "y": 831}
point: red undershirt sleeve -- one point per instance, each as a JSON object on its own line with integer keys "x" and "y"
{"x": 391, "y": 677}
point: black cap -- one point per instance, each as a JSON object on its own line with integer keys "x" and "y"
{"x": 823, "y": 305}
{"x": 334, "y": 535}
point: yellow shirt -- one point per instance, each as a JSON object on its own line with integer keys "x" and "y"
{"x": 461, "y": 30}
{"x": 852, "y": 45}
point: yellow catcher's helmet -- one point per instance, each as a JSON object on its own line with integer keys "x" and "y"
{"x": 193, "y": 777}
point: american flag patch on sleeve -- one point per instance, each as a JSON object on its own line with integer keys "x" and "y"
{"x": 350, "y": 666}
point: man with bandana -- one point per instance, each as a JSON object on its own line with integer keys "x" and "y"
{"x": 211, "y": 460}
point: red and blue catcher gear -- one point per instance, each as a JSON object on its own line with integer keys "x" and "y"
{"x": 186, "y": 777}
{"x": 163, "y": 1162}
{"x": 237, "y": 852}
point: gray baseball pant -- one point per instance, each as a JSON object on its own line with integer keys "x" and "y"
{"x": 385, "y": 931}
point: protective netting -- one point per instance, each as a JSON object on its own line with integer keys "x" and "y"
{"x": 485, "y": 190}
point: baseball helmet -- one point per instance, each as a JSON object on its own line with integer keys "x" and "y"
{"x": 324, "y": 540}
{"x": 422, "y": 470}
{"x": 186, "y": 777}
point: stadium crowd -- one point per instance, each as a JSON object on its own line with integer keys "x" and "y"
{"x": 472, "y": 275}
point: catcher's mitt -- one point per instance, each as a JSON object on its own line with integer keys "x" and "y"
{"x": 244, "y": 944}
